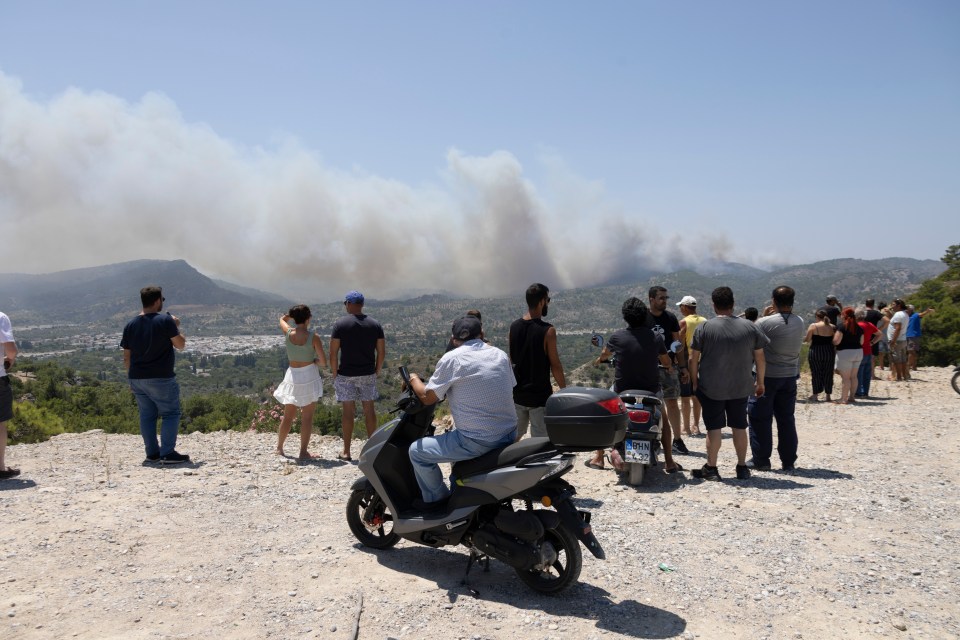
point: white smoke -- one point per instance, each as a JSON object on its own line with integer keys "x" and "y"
{"x": 89, "y": 179}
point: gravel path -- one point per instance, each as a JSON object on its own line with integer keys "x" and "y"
{"x": 861, "y": 541}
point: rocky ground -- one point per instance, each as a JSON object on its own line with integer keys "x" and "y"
{"x": 861, "y": 541}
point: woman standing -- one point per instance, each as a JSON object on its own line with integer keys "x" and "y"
{"x": 821, "y": 355}
{"x": 870, "y": 338}
{"x": 849, "y": 343}
{"x": 302, "y": 385}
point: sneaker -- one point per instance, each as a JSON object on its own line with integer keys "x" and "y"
{"x": 152, "y": 459}
{"x": 758, "y": 467}
{"x": 174, "y": 458}
{"x": 743, "y": 472}
{"x": 706, "y": 472}
{"x": 788, "y": 467}
{"x": 679, "y": 447}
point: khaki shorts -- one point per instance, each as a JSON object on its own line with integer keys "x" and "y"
{"x": 898, "y": 351}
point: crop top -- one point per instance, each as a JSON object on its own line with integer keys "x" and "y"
{"x": 300, "y": 352}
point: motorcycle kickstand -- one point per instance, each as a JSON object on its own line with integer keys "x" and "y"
{"x": 476, "y": 557}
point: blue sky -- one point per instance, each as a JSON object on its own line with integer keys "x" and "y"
{"x": 548, "y": 132}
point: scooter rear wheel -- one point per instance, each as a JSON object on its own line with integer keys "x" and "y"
{"x": 955, "y": 382}
{"x": 565, "y": 569}
{"x": 370, "y": 520}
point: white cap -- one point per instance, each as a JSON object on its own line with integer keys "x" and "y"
{"x": 688, "y": 301}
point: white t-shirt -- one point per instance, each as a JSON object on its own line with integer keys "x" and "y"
{"x": 901, "y": 318}
{"x": 6, "y": 335}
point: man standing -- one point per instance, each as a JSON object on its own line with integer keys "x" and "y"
{"x": 722, "y": 356}
{"x": 874, "y": 317}
{"x": 897, "y": 337}
{"x": 6, "y": 394}
{"x": 785, "y": 332}
{"x": 832, "y": 308}
{"x": 361, "y": 340}
{"x": 533, "y": 355}
{"x": 688, "y": 324}
{"x": 664, "y": 324}
{"x": 477, "y": 380}
{"x": 914, "y": 333}
{"x": 148, "y": 342}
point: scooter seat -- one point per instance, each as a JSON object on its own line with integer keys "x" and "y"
{"x": 501, "y": 457}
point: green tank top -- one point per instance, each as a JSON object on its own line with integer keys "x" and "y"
{"x": 300, "y": 352}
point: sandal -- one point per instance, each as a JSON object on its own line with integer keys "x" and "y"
{"x": 593, "y": 465}
{"x": 340, "y": 456}
{"x": 676, "y": 467}
{"x": 8, "y": 473}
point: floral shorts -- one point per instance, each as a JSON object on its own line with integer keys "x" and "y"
{"x": 349, "y": 388}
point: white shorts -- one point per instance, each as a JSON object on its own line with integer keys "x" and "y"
{"x": 301, "y": 386}
{"x": 849, "y": 359}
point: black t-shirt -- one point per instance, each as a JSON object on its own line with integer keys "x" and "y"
{"x": 873, "y": 317}
{"x": 832, "y": 312}
{"x": 151, "y": 353}
{"x": 531, "y": 366}
{"x": 637, "y": 352}
{"x": 849, "y": 339}
{"x": 664, "y": 326}
{"x": 358, "y": 336}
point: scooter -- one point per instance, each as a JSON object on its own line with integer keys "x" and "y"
{"x": 955, "y": 381}
{"x": 642, "y": 442}
{"x": 541, "y": 544}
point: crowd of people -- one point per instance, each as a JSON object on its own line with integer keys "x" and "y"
{"x": 737, "y": 371}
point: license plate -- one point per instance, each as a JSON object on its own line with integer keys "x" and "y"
{"x": 636, "y": 451}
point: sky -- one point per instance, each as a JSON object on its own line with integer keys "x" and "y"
{"x": 310, "y": 148}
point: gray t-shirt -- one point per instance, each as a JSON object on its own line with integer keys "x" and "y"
{"x": 726, "y": 345}
{"x": 785, "y": 331}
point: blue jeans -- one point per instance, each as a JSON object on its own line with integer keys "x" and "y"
{"x": 864, "y": 374}
{"x": 158, "y": 397}
{"x": 451, "y": 446}
{"x": 778, "y": 401}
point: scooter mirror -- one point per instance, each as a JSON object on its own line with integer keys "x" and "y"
{"x": 405, "y": 375}
{"x": 675, "y": 346}
{"x": 597, "y": 340}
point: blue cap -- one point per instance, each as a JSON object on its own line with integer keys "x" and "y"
{"x": 354, "y": 297}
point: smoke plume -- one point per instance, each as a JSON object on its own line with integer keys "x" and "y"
{"x": 89, "y": 179}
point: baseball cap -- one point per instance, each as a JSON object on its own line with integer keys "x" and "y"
{"x": 466, "y": 328}
{"x": 354, "y": 297}
{"x": 688, "y": 301}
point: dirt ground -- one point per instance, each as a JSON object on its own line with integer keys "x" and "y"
{"x": 860, "y": 541}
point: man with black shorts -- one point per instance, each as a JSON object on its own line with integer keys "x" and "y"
{"x": 6, "y": 394}
{"x": 664, "y": 324}
{"x": 358, "y": 340}
{"x": 722, "y": 355}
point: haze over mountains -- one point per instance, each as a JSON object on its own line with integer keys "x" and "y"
{"x": 101, "y": 293}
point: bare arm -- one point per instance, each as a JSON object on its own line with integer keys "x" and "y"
{"x": 10, "y": 352}
{"x": 604, "y": 356}
{"x": 681, "y": 356}
{"x": 381, "y": 354}
{"x": 318, "y": 348}
{"x": 550, "y": 344}
{"x": 761, "y": 361}
{"x": 334, "y": 351}
{"x": 126, "y": 359}
{"x": 693, "y": 365}
{"x": 923, "y": 314}
{"x": 419, "y": 389}
{"x": 179, "y": 341}
{"x": 284, "y": 324}
{"x": 810, "y": 330}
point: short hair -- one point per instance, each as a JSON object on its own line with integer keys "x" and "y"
{"x": 860, "y": 313}
{"x": 654, "y": 290}
{"x": 910, "y": 308}
{"x": 300, "y": 313}
{"x": 869, "y": 302}
{"x": 536, "y": 293}
{"x": 634, "y": 312}
{"x": 882, "y": 305}
{"x": 149, "y": 295}
{"x": 722, "y": 298}
{"x": 783, "y": 296}
{"x": 751, "y": 314}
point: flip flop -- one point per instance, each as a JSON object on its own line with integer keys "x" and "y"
{"x": 340, "y": 456}
{"x": 593, "y": 465}
{"x": 676, "y": 467}
{"x": 8, "y": 473}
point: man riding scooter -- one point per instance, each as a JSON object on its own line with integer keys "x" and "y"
{"x": 478, "y": 381}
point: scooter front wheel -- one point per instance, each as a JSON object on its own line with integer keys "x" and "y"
{"x": 564, "y": 571}
{"x": 955, "y": 382}
{"x": 370, "y": 520}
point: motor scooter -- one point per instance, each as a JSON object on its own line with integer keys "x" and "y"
{"x": 542, "y": 542}
{"x": 955, "y": 381}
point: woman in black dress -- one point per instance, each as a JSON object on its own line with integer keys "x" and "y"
{"x": 821, "y": 355}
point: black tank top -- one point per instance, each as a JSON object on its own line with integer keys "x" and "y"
{"x": 531, "y": 366}
{"x": 817, "y": 341}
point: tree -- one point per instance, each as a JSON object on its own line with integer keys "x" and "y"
{"x": 941, "y": 330}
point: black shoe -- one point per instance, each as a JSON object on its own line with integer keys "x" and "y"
{"x": 152, "y": 459}
{"x": 706, "y": 472}
{"x": 438, "y": 506}
{"x": 174, "y": 458}
{"x": 788, "y": 467}
{"x": 743, "y": 472}
{"x": 758, "y": 466}
{"x": 679, "y": 447}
